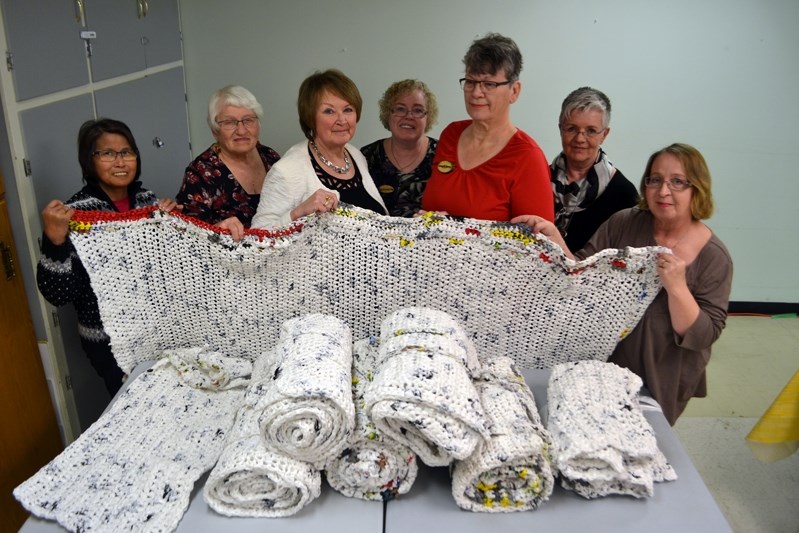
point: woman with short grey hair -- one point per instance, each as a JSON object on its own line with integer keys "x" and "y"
{"x": 222, "y": 186}
{"x": 588, "y": 188}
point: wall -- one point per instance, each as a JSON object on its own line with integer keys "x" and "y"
{"x": 721, "y": 75}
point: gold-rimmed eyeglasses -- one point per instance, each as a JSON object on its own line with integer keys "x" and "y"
{"x": 574, "y": 131}
{"x": 402, "y": 111}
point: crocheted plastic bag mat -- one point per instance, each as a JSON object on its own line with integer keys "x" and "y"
{"x": 134, "y": 469}
{"x": 603, "y": 443}
{"x": 250, "y": 479}
{"x": 165, "y": 281}
{"x": 373, "y": 466}
{"x": 512, "y": 472}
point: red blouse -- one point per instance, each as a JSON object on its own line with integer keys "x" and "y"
{"x": 513, "y": 182}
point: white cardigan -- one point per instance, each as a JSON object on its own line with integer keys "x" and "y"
{"x": 292, "y": 180}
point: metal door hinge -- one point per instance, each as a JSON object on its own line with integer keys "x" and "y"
{"x": 56, "y": 322}
{"x": 9, "y": 61}
{"x": 26, "y": 165}
{"x": 68, "y": 382}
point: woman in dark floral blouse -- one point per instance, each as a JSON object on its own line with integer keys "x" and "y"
{"x": 222, "y": 185}
{"x": 401, "y": 164}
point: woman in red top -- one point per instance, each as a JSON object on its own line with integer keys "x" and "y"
{"x": 486, "y": 167}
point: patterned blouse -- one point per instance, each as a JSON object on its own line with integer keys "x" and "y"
{"x": 401, "y": 191}
{"x": 351, "y": 191}
{"x": 211, "y": 193}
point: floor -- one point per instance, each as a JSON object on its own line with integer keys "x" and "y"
{"x": 752, "y": 361}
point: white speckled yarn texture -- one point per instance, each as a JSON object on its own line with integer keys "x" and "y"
{"x": 373, "y": 466}
{"x": 305, "y": 402}
{"x": 251, "y": 480}
{"x": 512, "y": 471}
{"x": 604, "y": 443}
{"x": 422, "y": 394}
{"x": 134, "y": 469}
{"x": 164, "y": 281}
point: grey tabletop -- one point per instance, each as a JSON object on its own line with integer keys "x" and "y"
{"x": 683, "y": 505}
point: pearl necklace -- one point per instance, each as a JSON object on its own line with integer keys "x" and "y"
{"x": 335, "y": 168}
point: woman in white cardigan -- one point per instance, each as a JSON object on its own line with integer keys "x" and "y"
{"x": 314, "y": 175}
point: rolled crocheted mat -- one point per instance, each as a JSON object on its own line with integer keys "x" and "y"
{"x": 512, "y": 471}
{"x": 604, "y": 444}
{"x": 422, "y": 394}
{"x": 134, "y": 468}
{"x": 373, "y": 466}
{"x": 251, "y": 480}
{"x": 305, "y": 402}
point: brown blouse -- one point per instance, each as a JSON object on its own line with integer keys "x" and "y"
{"x": 672, "y": 368}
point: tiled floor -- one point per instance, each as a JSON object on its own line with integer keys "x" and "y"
{"x": 751, "y": 363}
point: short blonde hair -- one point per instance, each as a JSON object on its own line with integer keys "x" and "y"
{"x": 401, "y": 88}
{"x": 696, "y": 172}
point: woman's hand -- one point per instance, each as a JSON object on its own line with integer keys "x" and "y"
{"x": 167, "y": 204}
{"x": 683, "y": 308}
{"x": 546, "y": 228}
{"x": 234, "y": 226}
{"x": 321, "y": 201}
{"x": 55, "y": 221}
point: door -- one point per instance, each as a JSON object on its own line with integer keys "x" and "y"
{"x": 47, "y": 52}
{"x": 29, "y": 435}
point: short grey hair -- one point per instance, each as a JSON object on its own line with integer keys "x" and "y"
{"x": 585, "y": 99}
{"x": 234, "y": 95}
{"x": 492, "y": 53}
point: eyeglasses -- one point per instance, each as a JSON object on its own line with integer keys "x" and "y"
{"x": 109, "y": 156}
{"x": 402, "y": 111}
{"x": 485, "y": 86}
{"x": 231, "y": 124}
{"x": 574, "y": 131}
{"x": 674, "y": 184}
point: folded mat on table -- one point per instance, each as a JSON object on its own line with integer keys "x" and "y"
{"x": 604, "y": 444}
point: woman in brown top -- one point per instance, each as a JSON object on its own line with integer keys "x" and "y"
{"x": 670, "y": 346}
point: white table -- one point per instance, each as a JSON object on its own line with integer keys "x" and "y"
{"x": 684, "y": 505}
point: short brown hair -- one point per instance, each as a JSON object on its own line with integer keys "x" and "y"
{"x": 401, "y": 88}
{"x": 311, "y": 90}
{"x": 696, "y": 172}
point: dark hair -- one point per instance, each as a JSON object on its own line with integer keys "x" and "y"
{"x": 335, "y": 82}
{"x": 491, "y": 53}
{"x": 89, "y": 132}
{"x": 696, "y": 172}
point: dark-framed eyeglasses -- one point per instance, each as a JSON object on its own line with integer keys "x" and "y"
{"x": 402, "y": 111}
{"x": 674, "y": 184}
{"x": 230, "y": 124}
{"x": 573, "y": 131}
{"x": 486, "y": 86}
{"x": 109, "y": 156}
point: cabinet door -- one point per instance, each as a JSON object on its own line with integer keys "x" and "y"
{"x": 155, "y": 109}
{"x": 133, "y": 35}
{"x": 44, "y": 42}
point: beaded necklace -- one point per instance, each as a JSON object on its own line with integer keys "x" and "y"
{"x": 326, "y": 162}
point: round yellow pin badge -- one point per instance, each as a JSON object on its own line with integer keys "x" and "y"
{"x": 445, "y": 167}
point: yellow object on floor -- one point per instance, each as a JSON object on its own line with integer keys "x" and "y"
{"x": 776, "y": 434}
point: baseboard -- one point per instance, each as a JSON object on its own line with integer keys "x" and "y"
{"x": 763, "y": 308}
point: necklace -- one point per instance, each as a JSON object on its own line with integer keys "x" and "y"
{"x": 676, "y": 242}
{"x": 407, "y": 166}
{"x": 323, "y": 159}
